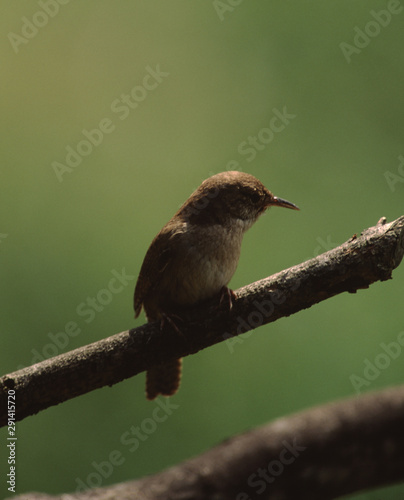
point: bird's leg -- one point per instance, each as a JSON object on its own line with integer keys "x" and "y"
{"x": 227, "y": 295}
{"x": 171, "y": 320}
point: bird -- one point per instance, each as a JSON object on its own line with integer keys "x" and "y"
{"x": 194, "y": 256}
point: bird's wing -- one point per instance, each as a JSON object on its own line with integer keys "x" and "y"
{"x": 155, "y": 262}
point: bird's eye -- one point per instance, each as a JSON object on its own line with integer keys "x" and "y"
{"x": 255, "y": 196}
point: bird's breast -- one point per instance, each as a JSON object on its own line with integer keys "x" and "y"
{"x": 205, "y": 260}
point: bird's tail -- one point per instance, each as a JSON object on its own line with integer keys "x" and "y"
{"x": 163, "y": 379}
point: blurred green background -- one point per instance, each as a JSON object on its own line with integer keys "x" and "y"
{"x": 222, "y": 72}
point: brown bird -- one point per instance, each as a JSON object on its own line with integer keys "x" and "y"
{"x": 195, "y": 255}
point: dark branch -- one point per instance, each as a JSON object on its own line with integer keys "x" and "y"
{"x": 352, "y": 266}
{"x": 321, "y": 454}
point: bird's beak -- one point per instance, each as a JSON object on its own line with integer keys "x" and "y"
{"x": 280, "y": 202}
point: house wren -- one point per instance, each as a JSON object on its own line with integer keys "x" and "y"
{"x": 195, "y": 255}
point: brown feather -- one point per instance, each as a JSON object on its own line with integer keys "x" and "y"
{"x": 195, "y": 255}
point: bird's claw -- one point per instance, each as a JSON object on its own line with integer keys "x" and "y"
{"x": 227, "y": 295}
{"x": 170, "y": 319}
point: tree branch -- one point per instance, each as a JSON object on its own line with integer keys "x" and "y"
{"x": 352, "y": 266}
{"x": 321, "y": 454}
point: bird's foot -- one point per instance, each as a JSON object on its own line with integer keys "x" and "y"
{"x": 172, "y": 320}
{"x": 227, "y": 296}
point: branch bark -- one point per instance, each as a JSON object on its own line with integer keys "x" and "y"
{"x": 321, "y": 454}
{"x": 354, "y": 265}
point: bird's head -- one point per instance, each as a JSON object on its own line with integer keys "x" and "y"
{"x": 230, "y": 196}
